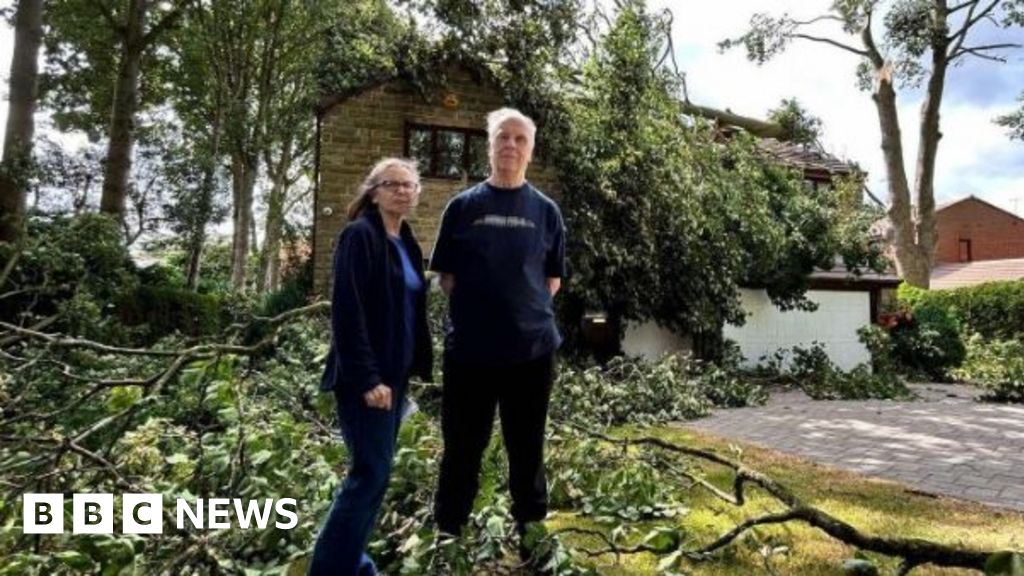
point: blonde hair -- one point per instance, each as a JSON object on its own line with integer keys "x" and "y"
{"x": 367, "y": 190}
{"x": 500, "y": 116}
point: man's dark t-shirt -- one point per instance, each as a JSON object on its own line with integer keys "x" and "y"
{"x": 501, "y": 245}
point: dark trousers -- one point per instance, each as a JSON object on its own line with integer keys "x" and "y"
{"x": 471, "y": 393}
{"x": 370, "y": 435}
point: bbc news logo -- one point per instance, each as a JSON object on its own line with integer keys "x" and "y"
{"x": 144, "y": 513}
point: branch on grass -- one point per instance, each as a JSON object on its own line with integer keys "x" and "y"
{"x": 912, "y": 551}
{"x": 610, "y": 548}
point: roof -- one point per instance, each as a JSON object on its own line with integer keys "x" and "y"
{"x": 813, "y": 161}
{"x": 955, "y": 275}
{"x": 840, "y": 277}
{"x": 951, "y": 203}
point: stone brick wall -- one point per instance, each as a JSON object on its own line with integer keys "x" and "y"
{"x": 994, "y": 234}
{"x": 361, "y": 130}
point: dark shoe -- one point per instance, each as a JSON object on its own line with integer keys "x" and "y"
{"x": 534, "y": 546}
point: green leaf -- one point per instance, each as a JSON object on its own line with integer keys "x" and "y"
{"x": 177, "y": 458}
{"x": 76, "y": 560}
{"x": 261, "y": 457}
{"x": 663, "y": 539}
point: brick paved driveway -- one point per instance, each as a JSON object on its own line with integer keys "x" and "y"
{"x": 945, "y": 443}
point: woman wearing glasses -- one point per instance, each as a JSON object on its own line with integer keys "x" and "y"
{"x": 379, "y": 339}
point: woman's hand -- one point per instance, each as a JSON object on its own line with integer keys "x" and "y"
{"x": 379, "y": 397}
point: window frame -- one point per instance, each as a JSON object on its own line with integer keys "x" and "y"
{"x": 434, "y": 130}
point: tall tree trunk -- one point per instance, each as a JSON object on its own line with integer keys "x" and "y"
{"x": 243, "y": 171}
{"x": 270, "y": 256}
{"x": 272, "y": 237}
{"x": 927, "y": 151}
{"x": 17, "y": 154}
{"x": 198, "y": 234}
{"x": 254, "y": 241}
{"x": 908, "y": 263}
{"x": 118, "y": 164}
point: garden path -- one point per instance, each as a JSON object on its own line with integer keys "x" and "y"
{"x": 943, "y": 443}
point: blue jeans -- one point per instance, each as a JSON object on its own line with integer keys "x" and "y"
{"x": 370, "y": 435}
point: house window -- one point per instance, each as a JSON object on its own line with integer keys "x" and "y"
{"x": 444, "y": 152}
{"x": 965, "y": 250}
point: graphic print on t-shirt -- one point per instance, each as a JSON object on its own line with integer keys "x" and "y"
{"x": 500, "y": 221}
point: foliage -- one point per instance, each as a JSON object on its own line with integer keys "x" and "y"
{"x": 993, "y": 309}
{"x": 363, "y": 47}
{"x": 165, "y": 310}
{"x": 676, "y": 218}
{"x": 996, "y": 365}
{"x": 634, "y": 391}
{"x": 798, "y": 125}
{"x": 294, "y": 292}
{"x": 926, "y": 341}
{"x": 1014, "y": 121}
{"x": 810, "y": 369}
{"x": 76, "y": 267}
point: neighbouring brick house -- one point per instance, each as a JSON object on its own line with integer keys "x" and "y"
{"x": 976, "y": 242}
{"x": 443, "y": 128}
{"x": 971, "y": 229}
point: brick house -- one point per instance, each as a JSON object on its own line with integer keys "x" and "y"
{"x": 971, "y": 229}
{"x": 443, "y": 128}
{"x": 977, "y": 242}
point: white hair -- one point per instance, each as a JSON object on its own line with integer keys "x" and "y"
{"x": 500, "y": 116}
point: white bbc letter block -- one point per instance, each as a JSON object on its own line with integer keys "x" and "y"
{"x": 142, "y": 514}
{"x": 43, "y": 513}
{"x": 92, "y": 514}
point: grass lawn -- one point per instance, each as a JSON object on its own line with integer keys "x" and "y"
{"x": 876, "y": 507}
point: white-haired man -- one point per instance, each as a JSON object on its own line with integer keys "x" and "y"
{"x": 501, "y": 255}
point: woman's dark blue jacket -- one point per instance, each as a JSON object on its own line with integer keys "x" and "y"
{"x": 368, "y": 310}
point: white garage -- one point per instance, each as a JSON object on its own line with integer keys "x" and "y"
{"x": 834, "y": 325}
{"x": 845, "y": 304}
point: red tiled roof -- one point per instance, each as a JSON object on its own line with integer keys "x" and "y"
{"x": 959, "y": 274}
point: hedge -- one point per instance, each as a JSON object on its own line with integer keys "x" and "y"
{"x": 993, "y": 309}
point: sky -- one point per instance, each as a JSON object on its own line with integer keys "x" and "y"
{"x": 975, "y": 156}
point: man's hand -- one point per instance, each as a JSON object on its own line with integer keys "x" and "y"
{"x": 379, "y": 397}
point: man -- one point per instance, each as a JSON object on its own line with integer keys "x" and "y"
{"x": 501, "y": 255}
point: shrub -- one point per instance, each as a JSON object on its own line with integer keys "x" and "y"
{"x": 165, "y": 310}
{"x": 293, "y": 293}
{"x": 630, "y": 390}
{"x": 77, "y": 266}
{"x": 813, "y": 371}
{"x": 993, "y": 309}
{"x": 927, "y": 342}
{"x": 997, "y": 366}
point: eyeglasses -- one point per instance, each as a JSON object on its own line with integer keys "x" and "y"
{"x": 396, "y": 185}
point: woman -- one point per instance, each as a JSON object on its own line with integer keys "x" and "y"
{"x": 380, "y": 338}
